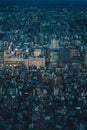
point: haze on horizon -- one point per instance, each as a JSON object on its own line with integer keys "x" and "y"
{"x": 42, "y": 2}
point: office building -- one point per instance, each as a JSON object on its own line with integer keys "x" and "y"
{"x": 85, "y": 58}
{"x": 64, "y": 54}
{"x": 73, "y": 52}
{"x": 1, "y": 56}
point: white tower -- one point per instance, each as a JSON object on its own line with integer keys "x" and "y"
{"x": 54, "y": 43}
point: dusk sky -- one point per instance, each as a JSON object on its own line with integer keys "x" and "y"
{"x": 37, "y": 2}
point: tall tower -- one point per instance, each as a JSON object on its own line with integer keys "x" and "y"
{"x": 1, "y": 57}
{"x": 54, "y": 52}
{"x": 54, "y": 43}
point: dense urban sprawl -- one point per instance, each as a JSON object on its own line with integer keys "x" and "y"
{"x": 43, "y": 68}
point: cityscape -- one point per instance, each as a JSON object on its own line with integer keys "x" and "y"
{"x": 43, "y": 68}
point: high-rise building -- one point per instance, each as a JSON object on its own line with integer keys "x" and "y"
{"x": 13, "y": 61}
{"x": 64, "y": 54}
{"x": 39, "y": 62}
{"x": 1, "y": 56}
{"x": 73, "y": 52}
{"x": 54, "y": 53}
{"x": 85, "y": 58}
{"x": 54, "y": 44}
{"x": 53, "y": 57}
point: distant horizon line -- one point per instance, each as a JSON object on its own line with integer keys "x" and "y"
{"x": 47, "y": 4}
{"x": 38, "y": 3}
